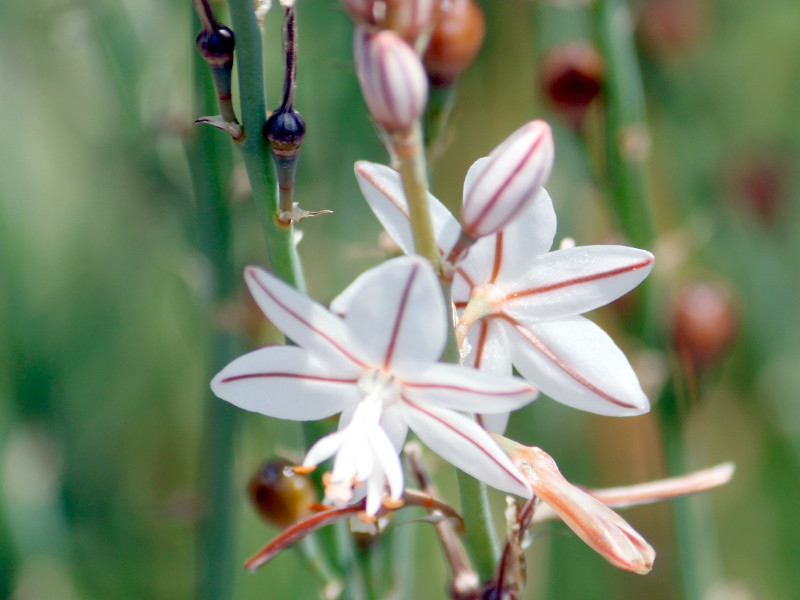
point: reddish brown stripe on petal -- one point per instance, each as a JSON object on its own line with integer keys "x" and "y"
{"x": 322, "y": 334}
{"x": 527, "y": 334}
{"x": 498, "y": 256}
{"x": 578, "y": 280}
{"x": 401, "y": 312}
{"x": 490, "y": 205}
{"x": 484, "y": 325}
{"x": 514, "y": 474}
{"x": 288, "y": 376}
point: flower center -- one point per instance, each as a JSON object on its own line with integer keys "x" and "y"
{"x": 379, "y": 389}
{"x": 483, "y": 301}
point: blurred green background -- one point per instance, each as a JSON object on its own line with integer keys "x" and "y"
{"x": 105, "y": 325}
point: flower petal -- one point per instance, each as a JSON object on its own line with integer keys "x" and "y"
{"x": 576, "y": 363}
{"x": 386, "y": 454}
{"x": 573, "y": 281}
{"x": 285, "y": 382}
{"x": 490, "y": 353}
{"x": 397, "y": 313}
{"x": 466, "y": 445}
{"x": 383, "y": 189}
{"x": 466, "y": 389}
{"x": 528, "y": 236}
{"x": 306, "y": 322}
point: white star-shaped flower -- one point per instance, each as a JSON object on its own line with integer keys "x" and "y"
{"x": 519, "y": 304}
{"x": 377, "y": 367}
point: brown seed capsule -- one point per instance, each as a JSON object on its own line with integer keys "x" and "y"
{"x": 705, "y": 322}
{"x": 281, "y": 496}
{"x": 455, "y": 41}
{"x": 572, "y": 77}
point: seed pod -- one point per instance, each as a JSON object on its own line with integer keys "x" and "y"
{"x": 392, "y": 79}
{"x": 572, "y": 77}
{"x": 281, "y": 496}
{"x": 705, "y": 322}
{"x": 455, "y": 41}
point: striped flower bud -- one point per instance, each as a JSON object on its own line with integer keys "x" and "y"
{"x": 499, "y": 187}
{"x": 392, "y": 79}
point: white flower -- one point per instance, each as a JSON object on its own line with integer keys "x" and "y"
{"x": 519, "y": 304}
{"x": 377, "y": 367}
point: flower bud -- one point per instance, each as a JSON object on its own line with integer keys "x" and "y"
{"x": 409, "y": 18}
{"x": 572, "y": 77}
{"x": 455, "y": 41}
{"x": 281, "y": 496}
{"x": 499, "y": 187}
{"x": 392, "y": 79}
{"x": 705, "y": 322}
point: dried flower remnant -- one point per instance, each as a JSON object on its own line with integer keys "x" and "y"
{"x": 409, "y": 18}
{"x": 377, "y": 368}
{"x": 598, "y": 526}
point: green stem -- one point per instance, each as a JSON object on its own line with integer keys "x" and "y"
{"x": 410, "y": 154}
{"x": 627, "y": 145}
{"x": 255, "y": 152}
{"x": 479, "y": 537}
{"x": 627, "y": 136}
{"x": 210, "y": 164}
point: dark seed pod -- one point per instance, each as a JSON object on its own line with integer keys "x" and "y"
{"x": 281, "y": 496}
{"x": 216, "y": 47}
{"x": 284, "y": 131}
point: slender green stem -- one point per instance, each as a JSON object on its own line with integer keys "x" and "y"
{"x": 410, "y": 154}
{"x": 627, "y": 136}
{"x": 255, "y": 152}
{"x": 480, "y": 537}
{"x": 210, "y": 164}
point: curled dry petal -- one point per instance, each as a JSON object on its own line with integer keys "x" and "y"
{"x": 601, "y": 528}
{"x": 653, "y": 491}
{"x": 392, "y": 79}
{"x": 499, "y": 187}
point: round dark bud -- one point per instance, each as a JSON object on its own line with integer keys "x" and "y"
{"x": 281, "y": 496}
{"x": 216, "y": 46}
{"x": 285, "y": 130}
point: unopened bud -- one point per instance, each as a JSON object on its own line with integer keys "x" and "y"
{"x": 499, "y": 187}
{"x": 455, "y": 41}
{"x": 281, "y": 495}
{"x": 392, "y": 79}
{"x": 572, "y": 77}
